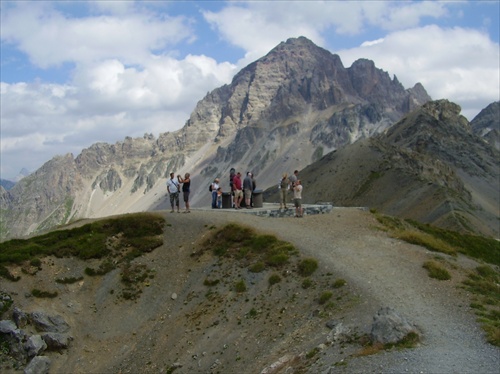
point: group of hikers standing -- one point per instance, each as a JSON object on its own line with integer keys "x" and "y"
{"x": 241, "y": 191}
{"x": 294, "y": 185}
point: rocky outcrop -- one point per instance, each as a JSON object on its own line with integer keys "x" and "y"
{"x": 25, "y": 343}
{"x": 487, "y": 124}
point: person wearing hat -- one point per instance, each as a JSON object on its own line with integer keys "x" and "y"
{"x": 215, "y": 187}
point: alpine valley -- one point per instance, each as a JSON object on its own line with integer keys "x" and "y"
{"x": 356, "y": 135}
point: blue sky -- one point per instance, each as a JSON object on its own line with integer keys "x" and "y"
{"x": 74, "y": 73}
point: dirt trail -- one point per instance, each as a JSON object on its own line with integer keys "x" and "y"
{"x": 113, "y": 336}
{"x": 388, "y": 273}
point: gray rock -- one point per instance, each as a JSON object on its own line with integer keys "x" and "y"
{"x": 7, "y": 326}
{"x": 15, "y": 339}
{"x": 19, "y": 317}
{"x": 389, "y": 327}
{"x": 38, "y": 365}
{"x": 46, "y": 323}
{"x": 56, "y": 341}
{"x": 339, "y": 332}
{"x": 35, "y": 345}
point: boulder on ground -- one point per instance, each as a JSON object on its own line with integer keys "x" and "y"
{"x": 389, "y": 327}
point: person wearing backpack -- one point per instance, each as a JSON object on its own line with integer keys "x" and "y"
{"x": 173, "y": 192}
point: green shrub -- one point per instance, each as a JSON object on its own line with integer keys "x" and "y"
{"x": 274, "y": 278}
{"x": 38, "y": 293}
{"x": 307, "y": 267}
{"x": 68, "y": 280}
{"x": 211, "y": 283}
{"x": 339, "y": 283}
{"x": 240, "y": 286}
{"x": 257, "y": 267}
{"x": 307, "y": 283}
{"x": 324, "y": 297}
{"x": 278, "y": 259}
{"x": 36, "y": 262}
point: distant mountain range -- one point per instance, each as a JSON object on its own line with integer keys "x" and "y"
{"x": 356, "y": 134}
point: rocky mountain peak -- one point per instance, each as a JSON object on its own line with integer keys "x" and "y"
{"x": 280, "y": 113}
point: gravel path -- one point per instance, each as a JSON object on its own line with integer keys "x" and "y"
{"x": 388, "y": 273}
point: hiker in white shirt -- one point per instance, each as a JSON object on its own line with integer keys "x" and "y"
{"x": 173, "y": 192}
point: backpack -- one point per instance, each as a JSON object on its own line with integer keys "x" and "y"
{"x": 210, "y": 187}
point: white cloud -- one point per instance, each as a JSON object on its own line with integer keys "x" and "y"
{"x": 106, "y": 101}
{"x": 258, "y": 26}
{"x": 129, "y": 78}
{"x": 50, "y": 38}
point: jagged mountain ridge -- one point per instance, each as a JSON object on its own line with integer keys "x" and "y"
{"x": 487, "y": 124}
{"x": 280, "y": 113}
{"x": 429, "y": 166}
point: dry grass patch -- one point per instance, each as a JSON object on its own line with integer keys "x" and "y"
{"x": 436, "y": 271}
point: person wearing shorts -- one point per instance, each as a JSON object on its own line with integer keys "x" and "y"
{"x": 173, "y": 192}
{"x": 237, "y": 189}
{"x": 186, "y": 185}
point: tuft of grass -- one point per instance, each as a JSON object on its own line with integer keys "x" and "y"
{"x": 339, "y": 283}
{"x": 436, "y": 271}
{"x": 307, "y": 267}
{"x": 257, "y": 267}
{"x": 483, "y": 284}
{"x": 274, "y": 278}
{"x": 36, "y": 262}
{"x": 240, "y": 286}
{"x": 104, "y": 268}
{"x": 307, "y": 283}
{"x": 210, "y": 283}
{"x": 324, "y": 297}
{"x": 43, "y": 294}
{"x": 313, "y": 352}
{"x": 68, "y": 280}
{"x": 410, "y": 340}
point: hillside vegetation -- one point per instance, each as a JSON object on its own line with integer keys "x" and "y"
{"x": 186, "y": 295}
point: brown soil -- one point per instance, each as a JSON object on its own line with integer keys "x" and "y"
{"x": 179, "y": 324}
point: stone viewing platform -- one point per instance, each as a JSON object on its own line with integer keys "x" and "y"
{"x": 273, "y": 210}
